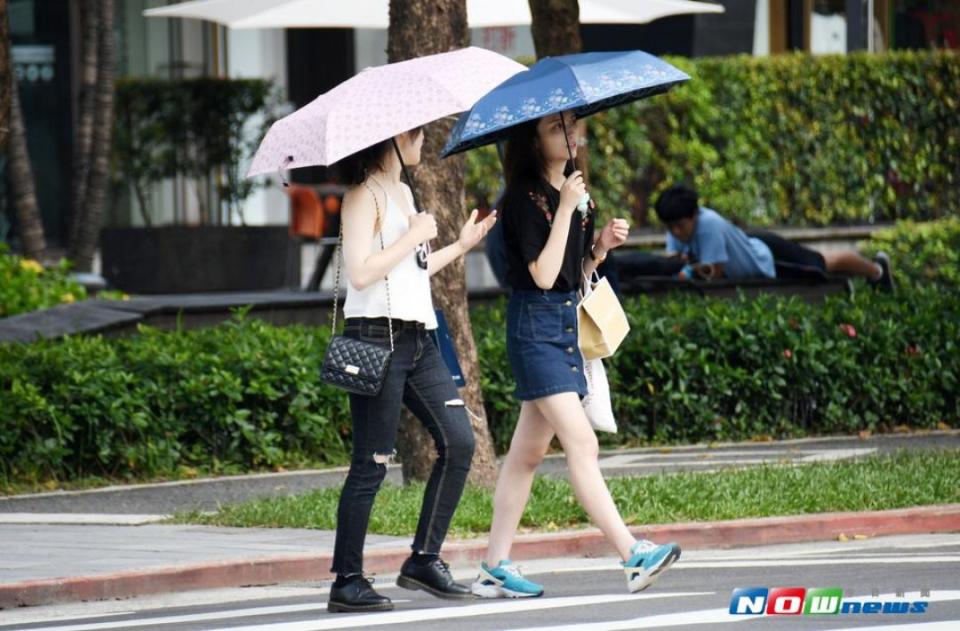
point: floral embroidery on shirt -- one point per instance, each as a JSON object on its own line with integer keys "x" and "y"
{"x": 540, "y": 201}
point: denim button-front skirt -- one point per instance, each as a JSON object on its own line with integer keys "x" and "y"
{"x": 542, "y": 344}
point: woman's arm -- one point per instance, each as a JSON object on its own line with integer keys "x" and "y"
{"x": 359, "y": 217}
{"x": 590, "y": 263}
{"x": 613, "y": 235}
{"x": 470, "y": 234}
{"x": 545, "y": 269}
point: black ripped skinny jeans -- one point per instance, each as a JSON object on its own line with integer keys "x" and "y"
{"x": 419, "y": 379}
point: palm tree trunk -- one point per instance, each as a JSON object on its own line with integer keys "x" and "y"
{"x": 440, "y": 188}
{"x": 88, "y": 231}
{"x": 83, "y": 140}
{"x": 5, "y": 76}
{"x": 22, "y": 185}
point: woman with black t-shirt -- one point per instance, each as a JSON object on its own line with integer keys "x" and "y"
{"x": 549, "y": 235}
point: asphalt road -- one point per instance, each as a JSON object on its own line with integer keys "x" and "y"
{"x": 581, "y": 594}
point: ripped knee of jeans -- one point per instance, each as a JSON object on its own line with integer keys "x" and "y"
{"x": 384, "y": 459}
{"x": 459, "y": 403}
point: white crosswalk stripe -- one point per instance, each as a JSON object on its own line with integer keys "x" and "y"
{"x": 723, "y": 616}
{"x": 498, "y": 607}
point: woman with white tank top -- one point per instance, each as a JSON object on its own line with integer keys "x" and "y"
{"x": 390, "y": 278}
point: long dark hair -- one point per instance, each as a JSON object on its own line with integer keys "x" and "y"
{"x": 354, "y": 169}
{"x": 522, "y": 156}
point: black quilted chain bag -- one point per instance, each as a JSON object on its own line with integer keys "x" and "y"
{"x": 354, "y": 365}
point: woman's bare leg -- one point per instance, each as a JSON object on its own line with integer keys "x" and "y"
{"x": 565, "y": 415}
{"x": 529, "y": 444}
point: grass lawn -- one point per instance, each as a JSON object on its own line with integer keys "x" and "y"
{"x": 873, "y": 483}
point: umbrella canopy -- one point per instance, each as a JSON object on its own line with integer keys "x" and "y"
{"x": 585, "y": 83}
{"x": 380, "y": 103}
{"x": 246, "y": 14}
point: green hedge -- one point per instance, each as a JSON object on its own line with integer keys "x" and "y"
{"x": 922, "y": 253}
{"x": 236, "y": 397}
{"x": 25, "y": 285}
{"x": 700, "y": 370}
{"x": 245, "y": 395}
{"x": 788, "y": 139}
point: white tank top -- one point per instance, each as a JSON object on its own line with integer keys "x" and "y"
{"x": 410, "y": 297}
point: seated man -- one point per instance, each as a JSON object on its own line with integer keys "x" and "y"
{"x": 715, "y": 248}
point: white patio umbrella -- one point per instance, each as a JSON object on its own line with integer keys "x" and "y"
{"x": 252, "y": 14}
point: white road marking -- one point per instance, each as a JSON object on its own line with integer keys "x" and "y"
{"x": 702, "y": 616}
{"x": 80, "y": 518}
{"x": 223, "y": 614}
{"x": 200, "y": 617}
{"x": 829, "y": 455}
{"x": 723, "y": 616}
{"x": 496, "y": 607}
{"x": 713, "y": 462}
{"x": 791, "y": 456}
{"x": 78, "y": 612}
{"x": 943, "y": 625}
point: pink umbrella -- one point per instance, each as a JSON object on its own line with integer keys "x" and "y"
{"x": 380, "y": 103}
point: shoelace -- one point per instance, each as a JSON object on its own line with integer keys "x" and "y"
{"x": 513, "y": 570}
{"x": 367, "y": 579}
{"x": 443, "y": 567}
{"x": 644, "y": 545}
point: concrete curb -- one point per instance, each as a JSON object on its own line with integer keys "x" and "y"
{"x": 582, "y": 543}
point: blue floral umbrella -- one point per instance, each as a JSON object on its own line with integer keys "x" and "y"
{"x": 585, "y": 83}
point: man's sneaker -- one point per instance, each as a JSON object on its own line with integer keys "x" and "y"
{"x": 504, "y": 581}
{"x": 885, "y": 282}
{"x": 647, "y": 562}
{"x": 432, "y": 576}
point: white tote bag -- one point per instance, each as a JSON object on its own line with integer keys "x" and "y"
{"x": 597, "y": 403}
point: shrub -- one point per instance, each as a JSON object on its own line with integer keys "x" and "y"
{"x": 245, "y": 395}
{"x": 701, "y": 370}
{"x": 921, "y": 252}
{"x": 236, "y": 397}
{"x": 25, "y": 285}
{"x": 787, "y": 139}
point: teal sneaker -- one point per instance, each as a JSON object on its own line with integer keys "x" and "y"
{"x": 647, "y": 562}
{"x": 504, "y": 581}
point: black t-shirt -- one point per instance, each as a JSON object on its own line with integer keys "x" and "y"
{"x": 529, "y": 207}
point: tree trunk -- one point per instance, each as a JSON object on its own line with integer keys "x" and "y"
{"x": 6, "y": 80}
{"x": 556, "y": 31}
{"x": 88, "y": 229}
{"x": 555, "y": 27}
{"x": 22, "y": 187}
{"x": 83, "y": 140}
{"x": 440, "y": 189}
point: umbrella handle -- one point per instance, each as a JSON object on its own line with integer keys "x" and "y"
{"x": 406, "y": 175}
{"x": 571, "y": 166}
{"x": 423, "y": 250}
